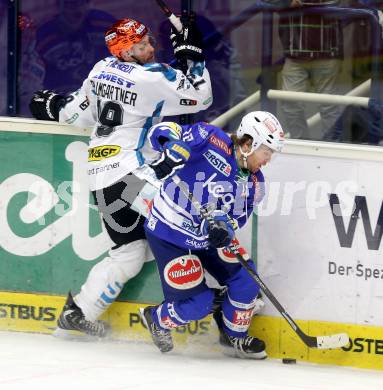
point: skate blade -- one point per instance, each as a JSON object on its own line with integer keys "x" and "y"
{"x": 141, "y": 310}
{"x": 73, "y": 335}
{"x": 231, "y": 352}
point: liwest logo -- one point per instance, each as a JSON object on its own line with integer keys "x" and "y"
{"x": 101, "y": 152}
{"x": 218, "y": 162}
{"x": 346, "y": 237}
{"x": 114, "y": 79}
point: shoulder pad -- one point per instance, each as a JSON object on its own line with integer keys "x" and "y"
{"x": 165, "y": 69}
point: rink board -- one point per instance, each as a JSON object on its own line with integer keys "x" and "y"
{"x": 51, "y": 236}
{"x": 320, "y": 233}
{"x": 39, "y": 313}
{"x": 51, "y": 233}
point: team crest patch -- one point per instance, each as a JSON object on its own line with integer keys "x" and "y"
{"x": 202, "y": 132}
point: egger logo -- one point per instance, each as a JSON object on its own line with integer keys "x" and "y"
{"x": 184, "y": 272}
{"x": 101, "y": 152}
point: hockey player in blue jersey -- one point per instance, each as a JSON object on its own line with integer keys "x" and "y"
{"x": 223, "y": 174}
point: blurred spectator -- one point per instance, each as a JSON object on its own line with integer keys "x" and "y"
{"x": 359, "y": 124}
{"x": 313, "y": 49}
{"x": 71, "y": 43}
{"x": 31, "y": 68}
{"x": 221, "y": 60}
{"x": 3, "y": 54}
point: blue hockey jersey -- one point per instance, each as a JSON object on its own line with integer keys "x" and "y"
{"x": 213, "y": 177}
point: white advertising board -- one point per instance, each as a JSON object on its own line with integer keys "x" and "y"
{"x": 319, "y": 235}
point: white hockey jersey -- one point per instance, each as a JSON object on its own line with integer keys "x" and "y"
{"x": 121, "y": 101}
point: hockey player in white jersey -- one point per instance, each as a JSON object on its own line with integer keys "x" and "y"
{"x": 122, "y": 97}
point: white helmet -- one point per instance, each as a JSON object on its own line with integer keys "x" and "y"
{"x": 264, "y": 128}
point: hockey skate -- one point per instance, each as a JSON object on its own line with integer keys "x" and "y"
{"x": 219, "y": 296}
{"x": 246, "y": 348}
{"x": 72, "y": 323}
{"x": 162, "y": 338}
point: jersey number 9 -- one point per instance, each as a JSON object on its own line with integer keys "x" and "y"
{"x": 109, "y": 116}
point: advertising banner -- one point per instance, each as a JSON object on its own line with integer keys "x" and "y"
{"x": 320, "y": 252}
{"x": 316, "y": 236}
{"x": 50, "y": 231}
{"x": 319, "y": 237}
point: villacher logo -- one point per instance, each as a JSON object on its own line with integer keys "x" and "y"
{"x": 184, "y": 272}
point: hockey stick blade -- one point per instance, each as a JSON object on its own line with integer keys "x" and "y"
{"x": 320, "y": 342}
{"x": 334, "y": 341}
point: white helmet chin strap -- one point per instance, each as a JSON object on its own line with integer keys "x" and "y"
{"x": 245, "y": 155}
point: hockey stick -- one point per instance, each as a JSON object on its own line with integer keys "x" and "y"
{"x": 174, "y": 20}
{"x": 321, "y": 342}
{"x": 177, "y": 23}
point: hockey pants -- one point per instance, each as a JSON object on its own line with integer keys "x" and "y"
{"x": 188, "y": 298}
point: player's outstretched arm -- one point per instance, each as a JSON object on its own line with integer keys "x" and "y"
{"x": 46, "y": 105}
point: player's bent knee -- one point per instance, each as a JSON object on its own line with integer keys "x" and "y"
{"x": 200, "y": 305}
{"x": 129, "y": 258}
{"x": 243, "y": 284}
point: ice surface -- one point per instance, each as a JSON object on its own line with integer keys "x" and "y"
{"x": 34, "y": 361}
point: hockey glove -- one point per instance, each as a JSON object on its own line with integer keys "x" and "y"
{"x": 162, "y": 133}
{"x": 219, "y": 230}
{"x": 46, "y": 105}
{"x": 173, "y": 158}
{"x": 187, "y": 44}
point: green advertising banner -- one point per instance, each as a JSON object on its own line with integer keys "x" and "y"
{"x": 50, "y": 231}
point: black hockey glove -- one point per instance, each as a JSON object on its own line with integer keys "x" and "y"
{"x": 46, "y": 105}
{"x": 173, "y": 158}
{"x": 220, "y": 230}
{"x": 187, "y": 44}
